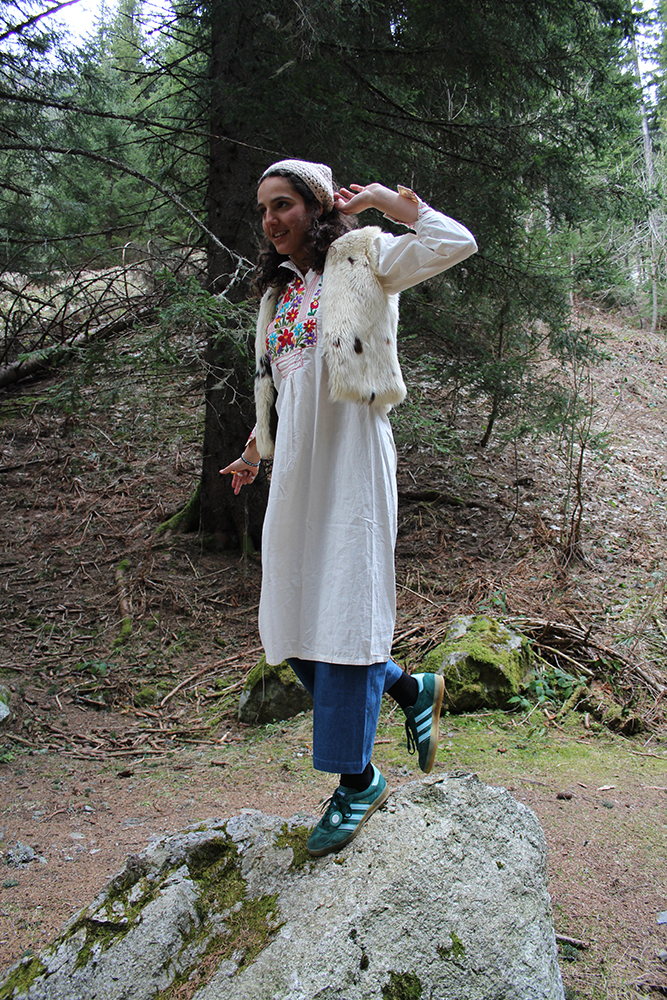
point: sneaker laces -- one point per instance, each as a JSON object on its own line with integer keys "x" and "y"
{"x": 411, "y": 740}
{"x": 336, "y": 803}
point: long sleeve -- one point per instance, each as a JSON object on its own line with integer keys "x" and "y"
{"x": 437, "y": 243}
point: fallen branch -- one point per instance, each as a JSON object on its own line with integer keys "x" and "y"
{"x": 536, "y": 628}
{"x": 41, "y": 362}
{"x": 206, "y": 670}
{"x": 436, "y": 496}
{"x": 573, "y": 942}
{"x": 120, "y": 577}
{"x": 570, "y": 659}
{"x": 416, "y": 594}
{"x": 227, "y": 690}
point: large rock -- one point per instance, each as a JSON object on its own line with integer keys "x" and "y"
{"x": 484, "y": 663}
{"x": 272, "y": 693}
{"x": 4, "y": 703}
{"x": 442, "y": 896}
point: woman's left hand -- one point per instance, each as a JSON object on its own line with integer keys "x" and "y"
{"x": 242, "y": 474}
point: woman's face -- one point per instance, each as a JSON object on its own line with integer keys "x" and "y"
{"x": 285, "y": 217}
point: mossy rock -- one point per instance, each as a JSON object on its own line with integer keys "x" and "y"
{"x": 4, "y": 703}
{"x": 272, "y": 693}
{"x": 602, "y": 705}
{"x": 484, "y": 664}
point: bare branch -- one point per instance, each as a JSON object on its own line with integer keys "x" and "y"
{"x": 18, "y": 28}
{"x": 117, "y": 165}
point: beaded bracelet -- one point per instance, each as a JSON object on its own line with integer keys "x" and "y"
{"x": 255, "y": 465}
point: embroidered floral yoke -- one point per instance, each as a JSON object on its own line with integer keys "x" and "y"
{"x": 328, "y": 589}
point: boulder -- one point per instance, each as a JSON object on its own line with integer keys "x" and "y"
{"x": 443, "y": 895}
{"x": 484, "y": 664}
{"x": 272, "y": 693}
{"x": 5, "y": 711}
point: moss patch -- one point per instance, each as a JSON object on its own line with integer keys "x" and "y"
{"x": 22, "y": 978}
{"x": 296, "y": 839}
{"x": 120, "y": 916}
{"x": 402, "y": 986}
{"x": 249, "y": 923}
{"x": 125, "y": 633}
{"x": 263, "y": 672}
{"x": 456, "y": 950}
{"x": 99, "y": 937}
{"x": 186, "y": 519}
{"x": 145, "y": 696}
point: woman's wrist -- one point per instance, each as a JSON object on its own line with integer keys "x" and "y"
{"x": 400, "y": 206}
{"x": 250, "y": 454}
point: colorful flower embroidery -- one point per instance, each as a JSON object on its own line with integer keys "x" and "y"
{"x": 285, "y": 339}
{"x": 287, "y": 333}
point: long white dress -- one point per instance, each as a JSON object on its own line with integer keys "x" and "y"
{"x": 328, "y": 586}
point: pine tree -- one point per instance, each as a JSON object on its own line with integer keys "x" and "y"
{"x": 502, "y": 115}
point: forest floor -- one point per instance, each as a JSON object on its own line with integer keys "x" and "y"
{"x": 118, "y": 737}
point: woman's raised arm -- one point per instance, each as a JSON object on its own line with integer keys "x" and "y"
{"x": 401, "y": 205}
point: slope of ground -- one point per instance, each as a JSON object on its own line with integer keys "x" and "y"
{"x": 118, "y": 736}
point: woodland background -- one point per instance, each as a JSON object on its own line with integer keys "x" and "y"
{"x": 532, "y": 455}
{"x": 128, "y": 166}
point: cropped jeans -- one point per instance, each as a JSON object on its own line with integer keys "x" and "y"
{"x": 346, "y": 709}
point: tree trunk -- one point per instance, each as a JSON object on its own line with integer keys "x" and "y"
{"x": 649, "y": 186}
{"x": 233, "y": 171}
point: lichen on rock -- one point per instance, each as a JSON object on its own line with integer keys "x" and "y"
{"x": 170, "y": 918}
{"x": 418, "y": 905}
{"x": 483, "y": 663}
{"x": 402, "y": 986}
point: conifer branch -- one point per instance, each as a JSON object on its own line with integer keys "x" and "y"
{"x": 17, "y": 29}
{"x": 117, "y": 165}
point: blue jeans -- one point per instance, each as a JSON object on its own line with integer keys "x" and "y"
{"x": 346, "y": 709}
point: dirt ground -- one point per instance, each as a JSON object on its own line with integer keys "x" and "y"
{"x": 118, "y": 737}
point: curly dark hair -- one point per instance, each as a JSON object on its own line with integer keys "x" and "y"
{"x": 323, "y": 230}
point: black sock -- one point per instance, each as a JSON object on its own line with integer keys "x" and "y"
{"x": 405, "y": 690}
{"x": 359, "y": 782}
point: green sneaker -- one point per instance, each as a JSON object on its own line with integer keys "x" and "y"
{"x": 346, "y": 812}
{"x": 422, "y": 720}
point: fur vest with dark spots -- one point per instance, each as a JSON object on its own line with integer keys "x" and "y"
{"x": 358, "y": 321}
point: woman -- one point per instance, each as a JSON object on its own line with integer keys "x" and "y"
{"x": 326, "y": 356}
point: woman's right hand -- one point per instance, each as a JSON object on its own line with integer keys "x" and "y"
{"x": 358, "y": 197}
{"x": 242, "y": 474}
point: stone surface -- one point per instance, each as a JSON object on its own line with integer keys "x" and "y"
{"x": 21, "y": 856}
{"x": 484, "y": 664}
{"x": 272, "y": 693}
{"x": 442, "y": 896}
{"x": 5, "y": 711}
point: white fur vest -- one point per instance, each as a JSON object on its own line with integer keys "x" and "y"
{"x": 358, "y": 321}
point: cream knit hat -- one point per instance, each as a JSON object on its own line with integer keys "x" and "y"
{"x": 317, "y": 176}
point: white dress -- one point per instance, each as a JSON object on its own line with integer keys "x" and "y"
{"x": 328, "y": 587}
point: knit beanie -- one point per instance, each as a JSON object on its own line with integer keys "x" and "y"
{"x": 317, "y": 176}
